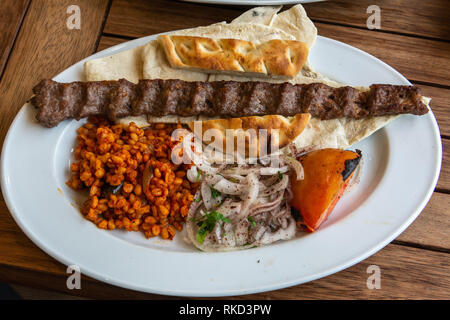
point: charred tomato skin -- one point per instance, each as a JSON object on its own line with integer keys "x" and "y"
{"x": 327, "y": 174}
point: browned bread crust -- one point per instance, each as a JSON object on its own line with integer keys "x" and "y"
{"x": 276, "y": 58}
{"x": 287, "y": 129}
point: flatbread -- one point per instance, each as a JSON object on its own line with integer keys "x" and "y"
{"x": 156, "y": 65}
{"x": 295, "y": 22}
{"x": 275, "y": 58}
{"x": 126, "y": 64}
{"x": 287, "y": 130}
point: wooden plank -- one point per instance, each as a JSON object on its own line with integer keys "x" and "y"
{"x": 107, "y": 42}
{"x": 403, "y": 271}
{"x": 415, "y": 17}
{"x": 11, "y": 15}
{"x": 44, "y": 47}
{"x": 440, "y": 98}
{"x": 418, "y": 59}
{"x": 141, "y": 17}
{"x": 430, "y": 229}
{"x": 444, "y": 178}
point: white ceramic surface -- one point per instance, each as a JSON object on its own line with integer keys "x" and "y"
{"x": 400, "y": 170}
{"x": 253, "y": 2}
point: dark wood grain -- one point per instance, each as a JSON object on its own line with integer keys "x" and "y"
{"x": 45, "y": 47}
{"x": 141, "y": 17}
{"x": 403, "y": 271}
{"x": 444, "y": 178}
{"x": 11, "y": 15}
{"x": 430, "y": 229}
{"x": 107, "y": 42}
{"x": 414, "y": 17}
{"x": 440, "y": 98}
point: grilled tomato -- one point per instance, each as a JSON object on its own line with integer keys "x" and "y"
{"x": 327, "y": 174}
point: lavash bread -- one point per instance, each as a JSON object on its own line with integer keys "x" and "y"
{"x": 126, "y": 64}
{"x": 273, "y": 58}
{"x": 259, "y": 15}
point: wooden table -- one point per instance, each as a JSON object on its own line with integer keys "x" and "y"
{"x": 414, "y": 39}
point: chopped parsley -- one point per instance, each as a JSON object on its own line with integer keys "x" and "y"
{"x": 197, "y": 200}
{"x": 214, "y": 193}
{"x": 199, "y": 174}
{"x": 280, "y": 175}
{"x": 252, "y": 221}
{"x": 207, "y": 222}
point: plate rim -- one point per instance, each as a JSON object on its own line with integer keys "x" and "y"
{"x": 238, "y": 291}
{"x": 253, "y": 2}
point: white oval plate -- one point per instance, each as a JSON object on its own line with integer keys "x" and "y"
{"x": 400, "y": 170}
{"x": 253, "y": 2}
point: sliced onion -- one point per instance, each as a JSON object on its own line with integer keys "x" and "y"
{"x": 280, "y": 234}
{"x": 252, "y": 195}
{"x": 273, "y": 170}
{"x": 206, "y": 195}
{"x": 267, "y": 206}
{"x": 192, "y": 174}
{"x": 297, "y": 166}
{"x": 212, "y": 179}
{"x": 241, "y": 170}
{"x": 236, "y": 177}
{"x": 241, "y": 232}
{"x": 228, "y": 187}
{"x": 230, "y": 208}
{"x": 254, "y": 190}
{"x": 280, "y": 186}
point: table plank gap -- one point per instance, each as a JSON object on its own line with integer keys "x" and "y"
{"x": 100, "y": 32}
{"x": 431, "y": 84}
{"x": 12, "y": 13}
{"x": 412, "y": 35}
{"x": 118, "y": 36}
{"x": 418, "y": 246}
